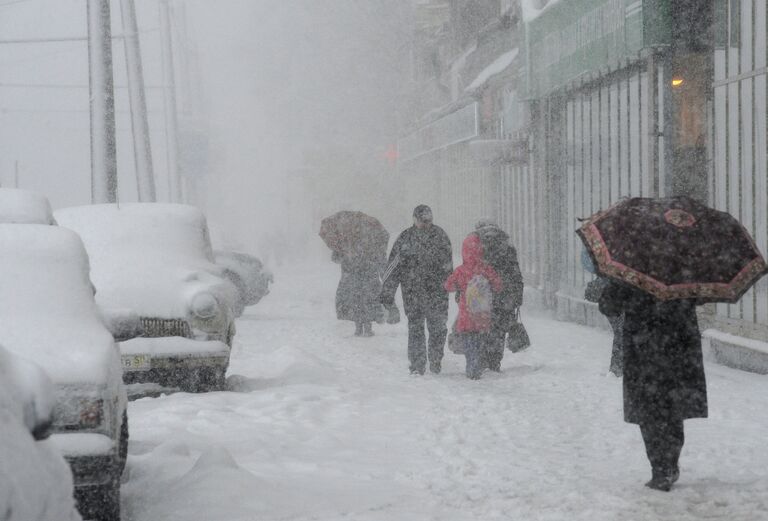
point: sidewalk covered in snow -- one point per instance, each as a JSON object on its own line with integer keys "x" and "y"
{"x": 322, "y": 425}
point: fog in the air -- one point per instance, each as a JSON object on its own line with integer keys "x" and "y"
{"x": 279, "y": 102}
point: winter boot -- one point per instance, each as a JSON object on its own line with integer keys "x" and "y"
{"x": 367, "y": 329}
{"x": 674, "y": 474}
{"x": 358, "y": 329}
{"x": 662, "y": 480}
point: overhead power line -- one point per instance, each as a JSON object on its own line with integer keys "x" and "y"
{"x": 62, "y": 86}
{"x": 4, "y": 4}
{"x": 60, "y": 39}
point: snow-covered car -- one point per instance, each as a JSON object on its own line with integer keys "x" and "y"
{"x": 247, "y": 273}
{"x": 24, "y": 207}
{"x": 27, "y": 207}
{"x": 156, "y": 259}
{"x": 31, "y": 390}
{"x": 35, "y": 481}
{"x": 48, "y": 315}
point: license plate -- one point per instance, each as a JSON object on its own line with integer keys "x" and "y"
{"x": 136, "y": 362}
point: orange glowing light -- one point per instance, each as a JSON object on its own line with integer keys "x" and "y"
{"x": 677, "y": 82}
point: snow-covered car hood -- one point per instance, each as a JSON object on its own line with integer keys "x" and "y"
{"x": 148, "y": 257}
{"x": 159, "y": 290}
{"x": 47, "y": 311}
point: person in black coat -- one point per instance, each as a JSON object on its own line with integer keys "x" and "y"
{"x": 664, "y": 380}
{"x": 420, "y": 261}
{"x": 502, "y": 256}
{"x": 358, "y": 291}
{"x": 592, "y": 294}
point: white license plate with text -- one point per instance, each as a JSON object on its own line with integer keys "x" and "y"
{"x": 136, "y": 362}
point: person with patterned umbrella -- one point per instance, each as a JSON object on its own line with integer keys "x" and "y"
{"x": 662, "y": 258}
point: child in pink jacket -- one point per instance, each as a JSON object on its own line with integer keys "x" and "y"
{"x": 476, "y": 281}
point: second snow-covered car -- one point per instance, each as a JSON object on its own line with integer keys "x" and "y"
{"x": 48, "y": 316}
{"x": 156, "y": 260}
{"x": 247, "y": 273}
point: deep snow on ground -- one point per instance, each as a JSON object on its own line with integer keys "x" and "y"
{"x": 321, "y": 425}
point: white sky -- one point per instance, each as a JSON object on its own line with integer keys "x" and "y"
{"x": 276, "y": 79}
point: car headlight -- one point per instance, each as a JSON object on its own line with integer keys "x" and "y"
{"x": 204, "y": 305}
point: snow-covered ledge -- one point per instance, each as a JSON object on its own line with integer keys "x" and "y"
{"x": 735, "y": 351}
{"x": 580, "y": 311}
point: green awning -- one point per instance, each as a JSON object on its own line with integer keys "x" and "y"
{"x": 574, "y": 38}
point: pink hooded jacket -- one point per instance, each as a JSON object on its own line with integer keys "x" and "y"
{"x": 472, "y": 254}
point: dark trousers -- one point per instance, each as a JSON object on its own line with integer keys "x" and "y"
{"x": 494, "y": 350}
{"x": 417, "y": 342}
{"x": 475, "y": 352}
{"x": 663, "y": 443}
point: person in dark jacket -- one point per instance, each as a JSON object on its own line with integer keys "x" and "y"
{"x": 420, "y": 261}
{"x": 358, "y": 291}
{"x": 664, "y": 380}
{"x": 502, "y": 257}
{"x": 592, "y": 293}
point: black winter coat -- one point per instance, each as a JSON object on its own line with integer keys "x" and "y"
{"x": 592, "y": 293}
{"x": 357, "y": 296}
{"x": 663, "y": 364}
{"x": 420, "y": 261}
{"x": 502, "y": 256}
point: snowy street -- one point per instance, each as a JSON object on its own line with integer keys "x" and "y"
{"x": 321, "y": 425}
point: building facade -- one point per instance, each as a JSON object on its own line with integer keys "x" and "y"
{"x": 590, "y": 101}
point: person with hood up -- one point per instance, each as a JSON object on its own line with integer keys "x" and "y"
{"x": 502, "y": 257}
{"x": 477, "y": 283}
{"x": 420, "y": 261}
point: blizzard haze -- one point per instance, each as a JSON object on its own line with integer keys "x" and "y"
{"x": 286, "y": 94}
{"x": 302, "y": 99}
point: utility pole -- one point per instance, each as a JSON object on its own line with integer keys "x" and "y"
{"x": 171, "y": 117}
{"x": 103, "y": 148}
{"x": 142, "y": 148}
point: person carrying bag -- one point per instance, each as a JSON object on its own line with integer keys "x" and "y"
{"x": 501, "y": 255}
{"x": 517, "y": 336}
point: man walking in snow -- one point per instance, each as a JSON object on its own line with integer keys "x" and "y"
{"x": 420, "y": 261}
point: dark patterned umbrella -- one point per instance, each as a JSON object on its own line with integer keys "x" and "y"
{"x": 674, "y": 248}
{"x": 355, "y": 233}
